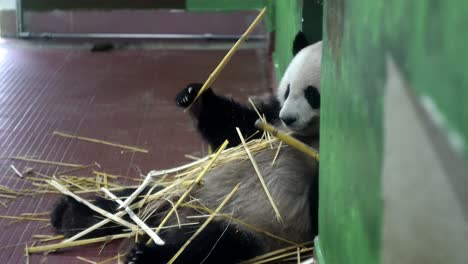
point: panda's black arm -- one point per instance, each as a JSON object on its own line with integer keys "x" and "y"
{"x": 218, "y": 116}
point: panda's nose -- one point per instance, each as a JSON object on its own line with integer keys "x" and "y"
{"x": 288, "y": 120}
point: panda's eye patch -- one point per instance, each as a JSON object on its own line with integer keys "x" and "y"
{"x": 286, "y": 94}
{"x": 313, "y": 96}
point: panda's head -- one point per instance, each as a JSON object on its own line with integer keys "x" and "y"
{"x": 299, "y": 89}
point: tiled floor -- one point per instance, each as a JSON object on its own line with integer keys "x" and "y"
{"x": 124, "y": 96}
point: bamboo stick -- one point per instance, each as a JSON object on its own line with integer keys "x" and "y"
{"x": 137, "y": 192}
{"x": 153, "y": 174}
{"x": 82, "y": 242}
{"x": 7, "y": 190}
{"x": 110, "y": 259}
{"x": 92, "y": 228}
{"x": 288, "y": 139}
{"x": 24, "y": 218}
{"x": 135, "y": 218}
{"x": 35, "y": 214}
{"x": 276, "y": 255}
{"x": 118, "y": 214}
{"x": 251, "y": 227}
{"x": 86, "y": 260}
{"x": 45, "y": 162}
{"x": 229, "y": 55}
{"x": 77, "y": 169}
{"x": 183, "y": 167}
{"x": 93, "y": 140}
{"x": 91, "y": 206}
{"x": 205, "y": 224}
{"x": 273, "y": 253}
{"x": 298, "y": 256}
{"x": 16, "y": 171}
{"x": 260, "y": 177}
{"x": 47, "y": 238}
{"x": 8, "y": 196}
{"x": 277, "y": 153}
{"x": 108, "y": 175}
{"x": 199, "y": 178}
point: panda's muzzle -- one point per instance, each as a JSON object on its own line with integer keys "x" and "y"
{"x": 288, "y": 120}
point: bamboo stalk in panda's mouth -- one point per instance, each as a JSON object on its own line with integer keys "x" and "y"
{"x": 288, "y": 139}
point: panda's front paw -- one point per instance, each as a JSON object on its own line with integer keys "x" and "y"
{"x": 188, "y": 94}
{"x": 141, "y": 254}
{"x": 58, "y": 212}
{"x": 135, "y": 255}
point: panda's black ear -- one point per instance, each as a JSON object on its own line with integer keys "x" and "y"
{"x": 300, "y": 42}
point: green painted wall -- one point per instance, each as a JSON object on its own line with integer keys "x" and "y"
{"x": 286, "y": 22}
{"x": 285, "y": 19}
{"x": 428, "y": 40}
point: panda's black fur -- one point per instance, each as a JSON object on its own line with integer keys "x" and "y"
{"x": 292, "y": 181}
{"x": 217, "y": 116}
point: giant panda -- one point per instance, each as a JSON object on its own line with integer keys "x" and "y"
{"x": 293, "y": 181}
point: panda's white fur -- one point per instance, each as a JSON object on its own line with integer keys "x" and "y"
{"x": 303, "y": 71}
{"x": 292, "y": 181}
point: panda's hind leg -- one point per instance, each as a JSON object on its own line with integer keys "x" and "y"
{"x": 219, "y": 242}
{"x": 70, "y": 217}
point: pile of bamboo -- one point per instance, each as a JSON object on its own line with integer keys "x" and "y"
{"x": 177, "y": 182}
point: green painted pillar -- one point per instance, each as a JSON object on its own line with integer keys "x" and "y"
{"x": 394, "y": 132}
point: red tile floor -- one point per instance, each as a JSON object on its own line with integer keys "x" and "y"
{"x": 124, "y": 96}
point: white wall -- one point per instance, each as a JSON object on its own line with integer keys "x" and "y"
{"x": 424, "y": 213}
{"x": 7, "y": 4}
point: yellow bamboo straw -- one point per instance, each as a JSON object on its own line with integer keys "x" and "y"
{"x": 98, "y": 141}
{"x": 288, "y": 139}
{"x": 61, "y": 245}
{"x": 45, "y": 162}
{"x": 205, "y": 224}
{"x": 136, "y": 219}
{"x": 260, "y": 177}
{"x": 195, "y": 183}
{"x": 229, "y": 55}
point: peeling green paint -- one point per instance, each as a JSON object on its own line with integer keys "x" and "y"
{"x": 428, "y": 40}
